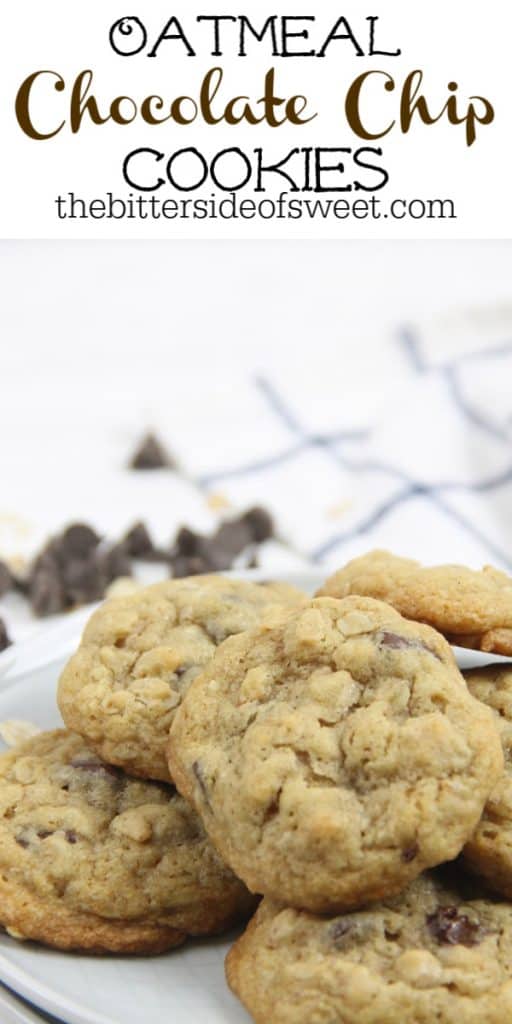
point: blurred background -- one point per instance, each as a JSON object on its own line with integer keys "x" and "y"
{"x": 359, "y": 392}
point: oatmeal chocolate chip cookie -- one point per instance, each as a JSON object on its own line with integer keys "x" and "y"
{"x": 472, "y": 609}
{"x": 140, "y": 653}
{"x": 439, "y": 953}
{"x": 489, "y": 852}
{"x": 91, "y": 859}
{"x": 335, "y": 754}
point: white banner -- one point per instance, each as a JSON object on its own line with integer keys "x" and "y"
{"x": 379, "y": 120}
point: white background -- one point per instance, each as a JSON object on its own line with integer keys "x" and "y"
{"x": 459, "y": 40}
{"x": 101, "y": 341}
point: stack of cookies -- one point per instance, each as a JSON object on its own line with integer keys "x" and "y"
{"x": 327, "y": 755}
{"x": 98, "y": 851}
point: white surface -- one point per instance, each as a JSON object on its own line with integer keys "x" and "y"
{"x": 127, "y": 320}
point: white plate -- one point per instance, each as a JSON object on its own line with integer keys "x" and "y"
{"x": 184, "y": 985}
{"x": 179, "y": 986}
{"x": 14, "y": 1010}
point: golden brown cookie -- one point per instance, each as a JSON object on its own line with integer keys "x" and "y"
{"x": 472, "y": 609}
{"x": 140, "y": 653}
{"x": 93, "y": 860}
{"x": 336, "y": 754}
{"x": 441, "y": 953}
{"x": 489, "y": 851}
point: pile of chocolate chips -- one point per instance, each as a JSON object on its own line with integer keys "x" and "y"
{"x": 76, "y": 566}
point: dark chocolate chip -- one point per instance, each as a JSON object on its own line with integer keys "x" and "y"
{"x": 78, "y": 540}
{"x": 43, "y": 833}
{"x": 5, "y": 641}
{"x": 71, "y": 836}
{"x": 397, "y": 643}
{"x": 448, "y": 927}
{"x": 46, "y": 593}
{"x": 21, "y": 841}
{"x": 151, "y": 454}
{"x": 193, "y": 566}
{"x": 21, "y": 583}
{"x": 6, "y": 579}
{"x": 187, "y": 541}
{"x": 83, "y": 581}
{"x": 410, "y": 853}
{"x": 260, "y": 523}
{"x": 113, "y": 563}
{"x": 272, "y": 809}
{"x": 137, "y": 541}
{"x": 214, "y": 556}
{"x": 232, "y": 537}
{"x": 339, "y": 931}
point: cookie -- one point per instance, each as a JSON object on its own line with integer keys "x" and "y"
{"x": 439, "y": 953}
{"x": 489, "y": 851}
{"x": 139, "y": 654}
{"x": 93, "y": 860}
{"x": 336, "y": 754}
{"x": 472, "y": 609}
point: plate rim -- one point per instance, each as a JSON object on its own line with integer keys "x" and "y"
{"x": 31, "y": 988}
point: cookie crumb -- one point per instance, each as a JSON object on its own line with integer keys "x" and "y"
{"x": 122, "y": 587}
{"x": 14, "y": 731}
{"x": 218, "y": 502}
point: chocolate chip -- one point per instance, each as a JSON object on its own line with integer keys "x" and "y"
{"x": 78, "y": 540}
{"x": 46, "y": 593}
{"x": 232, "y": 537}
{"x": 194, "y": 555}
{"x": 111, "y": 564}
{"x": 83, "y": 581}
{"x": 6, "y": 579}
{"x": 194, "y": 566}
{"x": 71, "y": 836}
{"x": 21, "y": 841}
{"x": 187, "y": 541}
{"x": 260, "y": 523}
{"x": 397, "y": 643}
{"x": 449, "y": 927}
{"x": 5, "y": 641}
{"x": 272, "y": 809}
{"x": 215, "y": 556}
{"x": 43, "y": 833}
{"x": 410, "y": 853}
{"x": 137, "y": 541}
{"x": 338, "y": 932}
{"x": 151, "y": 454}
